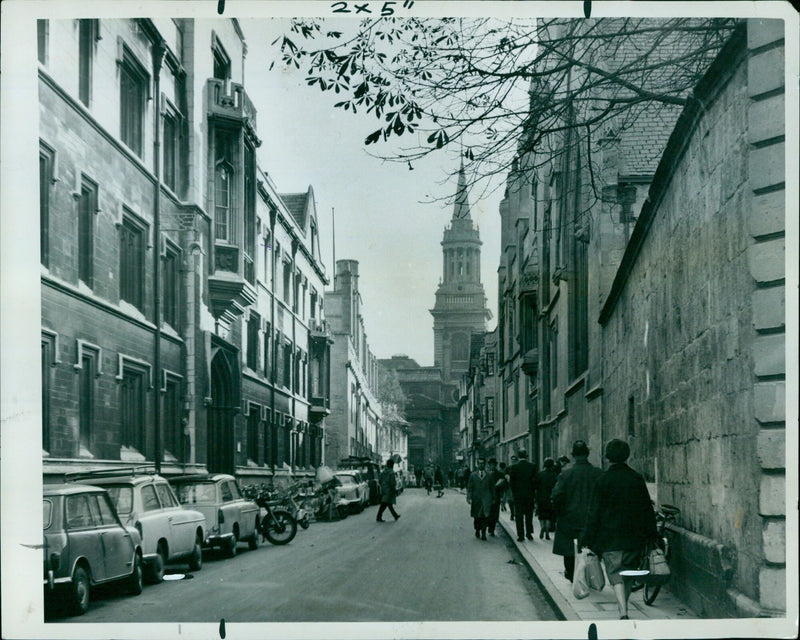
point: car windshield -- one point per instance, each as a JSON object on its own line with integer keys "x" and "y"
{"x": 122, "y": 497}
{"x": 345, "y": 478}
{"x": 197, "y": 493}
{"x": 47, "y": 513}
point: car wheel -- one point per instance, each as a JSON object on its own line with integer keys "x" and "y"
{"x": 79, "y": 595}
{"x": 135, "y": 580}
{"x": 230, "y": 549}
{"x": 196, "y": 557}
{"x": 155, "y": 571}
{"x": 343, "y": 510}
{"x": 252, "y": 542}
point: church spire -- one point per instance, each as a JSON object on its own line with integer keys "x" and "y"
{"x": 461, "y": 208}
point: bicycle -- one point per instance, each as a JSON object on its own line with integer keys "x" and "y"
{"x": 666, "y": 515}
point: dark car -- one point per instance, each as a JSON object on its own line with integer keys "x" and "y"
{"x": 369, "y": 470}
{"x": 86, "y": 545}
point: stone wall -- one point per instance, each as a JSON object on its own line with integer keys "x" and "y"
{"x": 694, "y": 344}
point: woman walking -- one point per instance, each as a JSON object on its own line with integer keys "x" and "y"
{"x": 621, "y": 521}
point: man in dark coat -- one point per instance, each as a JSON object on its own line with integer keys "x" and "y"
{"x": 621, "y": 521}
{"x": 388, "y": 484}
{"x": 479, "y": 497}
{"x": 571, "y": 497}
{"x": 545, "y": 481}
{"x": 522, "y": 480}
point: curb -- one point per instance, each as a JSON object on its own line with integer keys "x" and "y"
{"x": 559, "y": 602}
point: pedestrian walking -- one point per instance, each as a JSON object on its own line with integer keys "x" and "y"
{"x": 522, "y": 479}
{"x": 570, "y": 498}
{"x": 545, "y": 481}
{"x": 562, "y": 463}
{"x": 621, "y": 522}
{"x": 479, "y": 497}
{"x": 438, "y": 481}
{"x": 498, "y": 482}
{"x": 503, "y": 489}
{"x": 510, "y": 496}
{"x": 388, "y": 484}
{"x": 427, "y": 477}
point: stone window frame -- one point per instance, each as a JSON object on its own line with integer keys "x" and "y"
{"x": 128, "y": 65}
{"x": 142, "y": 368}
{"x": 169, "y": 377}
{"x": 43, "y": 41}
{"x": 131, "y": 222}
{"x": 86, "y": 187}
{"x": 252, "y": 450}
{"x": 46, "y": 182}
{"x": 88, "y": 29}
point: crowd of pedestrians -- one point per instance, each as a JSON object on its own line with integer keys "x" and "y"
{"x": 608, "y": 512}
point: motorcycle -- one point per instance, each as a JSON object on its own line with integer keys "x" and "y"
{"x": 276, "y": 524}
{"x": 297, "y": 503}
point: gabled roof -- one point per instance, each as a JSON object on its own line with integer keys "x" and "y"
{"x": 298, "y": 206}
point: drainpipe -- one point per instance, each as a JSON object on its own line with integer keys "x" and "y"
{"x": 273, "y": 213}
{"x": 294, "y": 369}
{"x": 159, "y": 49}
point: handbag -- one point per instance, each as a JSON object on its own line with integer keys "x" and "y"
{"x": 594, "y": 572}
{"x": 658, "y": 566}
{"x": 580, "y": 584}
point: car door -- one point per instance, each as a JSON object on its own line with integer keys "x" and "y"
{"x": 229, "y": 508}
{"x": 152, "y": 518}
{"x": 247, "y": 511}
{"x": 182, "y": 524}
{"x": 118, "y": 547}
{"x": 84, "y": 539}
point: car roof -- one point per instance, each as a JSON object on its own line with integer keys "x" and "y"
{"x": 65, "y": 489}
{"x": 201, "y": 477}
{"x": 134, "y": 480}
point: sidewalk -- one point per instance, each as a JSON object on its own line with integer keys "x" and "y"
{"x": 598, "y": 605}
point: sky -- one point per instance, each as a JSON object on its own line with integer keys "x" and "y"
{"x": 387, "y": 217}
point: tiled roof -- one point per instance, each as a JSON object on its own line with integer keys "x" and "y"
{"x": 644, "y": 140}
{"x": 297, "y": 203}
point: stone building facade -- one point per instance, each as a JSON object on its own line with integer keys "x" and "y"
{"x": 432, "y": 393}
{"x": 657, "y": 314}
{"x": 155, "y": 293}
{"x": 355, "y": 421}
{"x": 694, "y": 333}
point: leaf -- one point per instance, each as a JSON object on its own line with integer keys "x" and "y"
{"x": 373, "y": 137}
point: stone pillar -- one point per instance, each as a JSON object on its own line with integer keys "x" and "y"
{"x": 766, "y": 135}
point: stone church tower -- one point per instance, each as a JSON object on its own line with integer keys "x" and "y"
{"x": 460, "y": 305}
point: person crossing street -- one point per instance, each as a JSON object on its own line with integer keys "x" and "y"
{"x": 388, "y": 485}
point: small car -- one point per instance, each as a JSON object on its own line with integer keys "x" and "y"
{"x": 369, "y": 470}
{"x": 352, "y": 489}
{"x": 85, "y": 545}
{"x": 230, "y": 518}
{"x": 170, "y": 533}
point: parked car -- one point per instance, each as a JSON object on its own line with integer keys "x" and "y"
{"x": 352, "y": 489}
{"x": 369, "y": 470}
{"x": 230, "y": 518}
{"x": 170, "y": 532}
{"x": 85, "y": 545}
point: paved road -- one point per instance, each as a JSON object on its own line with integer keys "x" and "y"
{"x": 426, "y": 566}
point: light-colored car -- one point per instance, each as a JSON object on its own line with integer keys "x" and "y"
{"x": 352, "y": 489}
{"x": 230, "y": 517}
{"x": 85, "y": 544}
{"x": 170, "y": 533}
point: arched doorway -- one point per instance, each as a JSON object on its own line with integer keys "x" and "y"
{"x": 220, "y": 457}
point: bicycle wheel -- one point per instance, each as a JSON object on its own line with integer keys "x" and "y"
{"x": 636, "y": 585}
{"x": 651, "y": 593}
